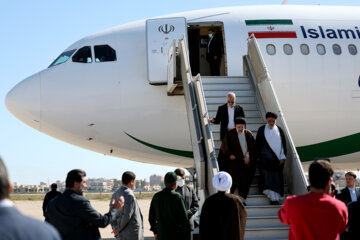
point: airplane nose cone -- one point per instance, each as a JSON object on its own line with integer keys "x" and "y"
{"x": 23, "y": 101}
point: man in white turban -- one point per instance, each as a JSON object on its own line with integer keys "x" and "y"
{"x": 223, "y": 215}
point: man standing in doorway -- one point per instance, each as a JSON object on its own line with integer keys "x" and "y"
{"x": 271, "y": 147}
{"x": 214, "y": 52}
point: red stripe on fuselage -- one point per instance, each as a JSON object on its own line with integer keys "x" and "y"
{"x": 274, "y": 34}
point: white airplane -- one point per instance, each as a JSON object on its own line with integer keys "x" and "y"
{"x": 107, "y": 92}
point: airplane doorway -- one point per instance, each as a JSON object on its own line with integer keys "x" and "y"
{"x": 198, "y": 41}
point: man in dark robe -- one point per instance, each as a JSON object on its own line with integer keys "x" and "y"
{"x": 271, "y": 152}
{"x": 223, "y": 215}
{"x": 238, "y": 149}
{"x": 168, "y": 216}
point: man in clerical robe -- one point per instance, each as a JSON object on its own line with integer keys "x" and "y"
{"x": 271, "y": 152}
{"x": 223, "y": 215}
{"x": 239, "y": 157}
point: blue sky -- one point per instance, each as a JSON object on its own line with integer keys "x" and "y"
{"x": 33, "y": 33}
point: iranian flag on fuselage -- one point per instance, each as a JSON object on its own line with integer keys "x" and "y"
{"x": 271, "y": 28}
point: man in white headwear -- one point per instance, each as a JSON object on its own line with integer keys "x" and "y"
{"x": 223, "y": 215}
{"x": 271, "y": 147}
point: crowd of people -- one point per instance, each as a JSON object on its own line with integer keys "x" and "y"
{"x": 323, "y": 213}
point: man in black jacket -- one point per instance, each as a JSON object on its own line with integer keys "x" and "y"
{"x": 190, "y": 198}
{"x": 72, "y": 214}
{"x": 49, "y": 196}
{"x": 226, "y": 115}
{"x": 214, "y": 52}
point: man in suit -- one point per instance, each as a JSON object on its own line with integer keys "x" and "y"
{"x": 238, "y": 149}
{"x": 214, "y": 52}
{"x": 49, "y": 196}
{"x": 271, "y": 152}
{"x": 348, "y": 195}
{"x": 14, "y": 225}
{"x": 190, "y": 198}
{"x": 129, "y": 225}
{"x": 73, "y": 216}
{"x": 354, "y": 220}
{"x": 226, "y": 115}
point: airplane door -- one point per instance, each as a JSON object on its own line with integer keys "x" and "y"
{"x": 159, "y": 35}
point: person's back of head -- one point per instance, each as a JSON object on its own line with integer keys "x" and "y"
{"x": 4, "y": 181}
{"x": 320, "y": 173}
{"x": 73, "y": 176}
{"x": 127, "y": 177}
{"x": 53, "y": 186}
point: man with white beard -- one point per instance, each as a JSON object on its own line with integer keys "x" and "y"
{"x": 238, "y": 151}
{"x": 271, "y": 148}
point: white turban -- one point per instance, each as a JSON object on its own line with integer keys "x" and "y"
{"x": 222, "y": 181}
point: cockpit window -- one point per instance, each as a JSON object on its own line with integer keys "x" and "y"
{"x": 63, "y": 57}
{"x": 104, "y": 53}
{"x": 83, "y": 55}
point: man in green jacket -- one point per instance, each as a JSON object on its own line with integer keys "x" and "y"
{"x": 168, "y": 216}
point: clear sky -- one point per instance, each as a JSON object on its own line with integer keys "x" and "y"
{"x": 32, "y": 34}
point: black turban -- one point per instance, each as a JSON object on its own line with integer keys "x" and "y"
{"x": 271, "y": 115}
{"x": 239, "y": 120}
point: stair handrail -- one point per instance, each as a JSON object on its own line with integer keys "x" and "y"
{"x": 171, "y": 68}
{"x": 294, "y": 173}
{"x": 202, "y": 143}
{"x": 212, "y": 166}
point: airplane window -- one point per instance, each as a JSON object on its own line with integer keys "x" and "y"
{"x": 83, "y": 55}
{"x": 104, "y": 53}
{"x": 271, "y": 50}
{"x": 321, "y": 49}
{"x": 63, "y": 57}
{"x": 288, "y": 50}
{"x": 352, "y": 49}
{"x": 337, "y": 49}
{"x": 304, "y": 48}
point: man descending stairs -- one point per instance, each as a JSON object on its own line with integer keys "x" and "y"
{"x": 262, "y": 221}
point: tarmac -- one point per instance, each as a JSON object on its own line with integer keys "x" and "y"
{"x": 34, "y": 209}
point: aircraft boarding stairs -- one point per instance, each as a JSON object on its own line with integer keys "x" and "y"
{"x": 255, "y": 93}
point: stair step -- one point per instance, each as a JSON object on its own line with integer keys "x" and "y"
{"x": 212, "y": 80}
{"x": 262, "y": 210}
{"x": 223, "y": 94}
{"x": 226, "y": 87}
{"x": 220, "y": 100}
{"x": 263, "y": 222}
{"x": 267, "y": 233}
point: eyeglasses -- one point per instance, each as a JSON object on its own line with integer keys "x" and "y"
{"x": 230, "y": 102}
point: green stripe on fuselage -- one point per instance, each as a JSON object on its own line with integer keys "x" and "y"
{"x": 269, "y": 22}
{"x": 333, "y": 148}
{"x": 181, "y": 153}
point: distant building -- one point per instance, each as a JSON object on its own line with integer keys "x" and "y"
{"x": 156, "y": 180}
